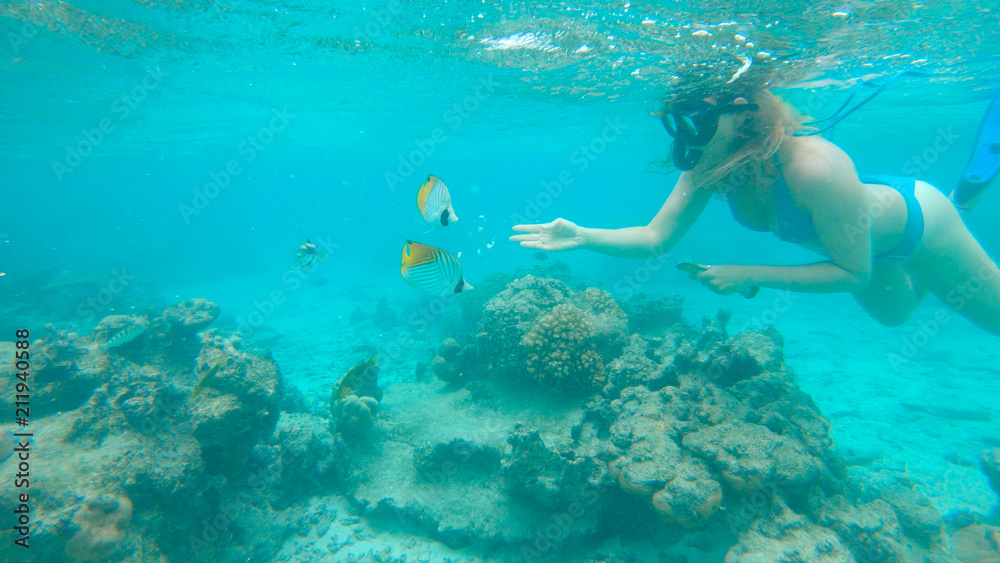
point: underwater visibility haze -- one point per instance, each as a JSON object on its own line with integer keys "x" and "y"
{"x": 259, "y": 299}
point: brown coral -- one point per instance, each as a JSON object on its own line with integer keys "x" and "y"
{"x": 689, "y": 499}
{"x": 782, "y": 535}
{"x": 444, "y": 365}
{"x": 191, "y": 316}
{"x": 601, "y": 302}
{"x": 560, "y": 351}
{"x": 354, "y": 415}
{"x": 100, "y": 527}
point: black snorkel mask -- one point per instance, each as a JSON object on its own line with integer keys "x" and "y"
{"x": 692, "y": 124}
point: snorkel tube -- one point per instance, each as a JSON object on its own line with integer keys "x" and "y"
{"x": 843, "y": 111}
{"x": 684, "y": 158}
{"x": 984, "y": 163}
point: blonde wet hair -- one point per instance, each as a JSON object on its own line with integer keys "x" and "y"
{"x": 750, "y": 166}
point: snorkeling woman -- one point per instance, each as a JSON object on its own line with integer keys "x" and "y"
{"x": 888, "y": 240}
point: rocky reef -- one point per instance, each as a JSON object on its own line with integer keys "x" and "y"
{"x": 132, "y": 464}
{"x": 557, "y": 430}
{"x": 694, "y": 431}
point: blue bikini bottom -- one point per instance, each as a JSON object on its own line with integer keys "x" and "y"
{"x": 914, "y": 217}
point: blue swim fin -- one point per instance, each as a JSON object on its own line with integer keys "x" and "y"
{"x": 984, "y": 164}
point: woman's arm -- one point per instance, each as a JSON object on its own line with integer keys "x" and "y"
{"x": 681, "y": 209}
{"x": 821, "y": 277}
{"x": 827, "y": 186}
{"x": 675, "y": 218}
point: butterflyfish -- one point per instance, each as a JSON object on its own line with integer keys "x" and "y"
{"x": 124, "y": 336}
{"x": 434, "y": 202}
{"x": 432, "y": 270}
{"x": 309, "y": 253}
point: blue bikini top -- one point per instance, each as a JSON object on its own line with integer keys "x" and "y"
{"x": 794, "y": 225}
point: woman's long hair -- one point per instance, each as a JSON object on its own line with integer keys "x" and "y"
{"x": 750, "y": 164}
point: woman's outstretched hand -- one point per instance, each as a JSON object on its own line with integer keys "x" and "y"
{"x": 557, "y": 235}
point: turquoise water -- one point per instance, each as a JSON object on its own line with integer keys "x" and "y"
{"x": 189, "y": 148}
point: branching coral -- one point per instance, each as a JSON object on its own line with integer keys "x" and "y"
{"x": 601, "y": 302}
{"x": 560, "y": 351}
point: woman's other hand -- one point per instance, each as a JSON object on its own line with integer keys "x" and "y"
{"x": 725, "y": 280}
{"x": 557, "y": 235}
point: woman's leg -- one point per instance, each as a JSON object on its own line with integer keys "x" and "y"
{"x": 891, "y": 297}
{"x": 952, "y": 264}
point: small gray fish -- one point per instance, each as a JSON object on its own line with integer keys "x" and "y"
{"x": 124, "y": 336}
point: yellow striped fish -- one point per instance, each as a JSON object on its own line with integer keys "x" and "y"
{"x": 353, "y": 377}
{"x": 206, "y": 380}
{"x": 124, "y": 336}
{"x": 432, "y": 270}
{"x": 434, "y": 202}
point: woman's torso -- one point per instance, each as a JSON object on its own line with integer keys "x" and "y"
{"x": 775, "y": 209}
